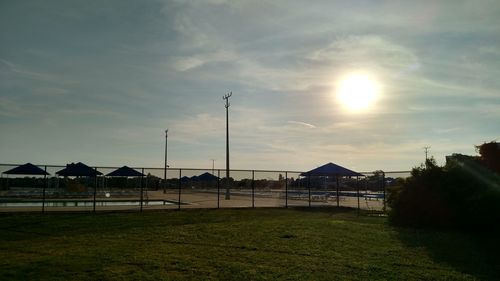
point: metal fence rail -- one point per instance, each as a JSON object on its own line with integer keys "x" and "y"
{"x": 184, "y": 188}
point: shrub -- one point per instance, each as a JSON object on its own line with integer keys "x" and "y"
{"x": 459, "y": 195}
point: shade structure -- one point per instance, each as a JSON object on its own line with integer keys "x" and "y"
{"x": 206, "y": 177}
{"x": 331, "y": 169}
{"x": 26, "y": 169}
{"x": 78, "y": 170}
{"x": 125, "y": 172}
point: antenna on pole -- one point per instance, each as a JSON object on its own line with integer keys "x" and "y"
{"x": 226, "y": 98}
{"x": 426, "y": 149}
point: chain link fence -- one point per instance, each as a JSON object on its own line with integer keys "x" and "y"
{"x": 178, "y": 188}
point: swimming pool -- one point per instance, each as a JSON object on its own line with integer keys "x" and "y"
{"x": 76, "y": 203}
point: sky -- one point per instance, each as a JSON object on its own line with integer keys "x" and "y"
{"x": 100, "y": 81}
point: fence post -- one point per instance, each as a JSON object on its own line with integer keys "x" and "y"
{"x": 383, "y": 186}
{"x": 180, "y": 185}
{"x": 286, "y": 189}
{"x": 142, "y": 187}
{"x": 95, "y": 188}
{"x": 218, "y": 188}
{"x": 338, "y": 204}
{"x": 253, "y": 189}
{"x": 309, "y": 188}
{"x": 46, "y": 182}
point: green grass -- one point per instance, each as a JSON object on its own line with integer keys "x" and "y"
{"x": 237, "y": 244}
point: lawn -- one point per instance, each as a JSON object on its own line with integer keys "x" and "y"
{"x": 237, "y": 244}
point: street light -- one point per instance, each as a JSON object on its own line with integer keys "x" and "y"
{"x": 166, "y": 166}
{"x": 226, "y": 98}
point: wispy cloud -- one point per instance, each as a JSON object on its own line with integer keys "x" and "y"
{"x": 27, "y": 73}
{"x": 192, "y": 62}
{"x": 302, "y": 124}
{"x": 447, "y": 130}
{"x": 9, "y": 108}
{"x": 125, "y": 79}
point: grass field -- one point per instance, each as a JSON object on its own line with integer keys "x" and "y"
{"x": 237, "y": 244}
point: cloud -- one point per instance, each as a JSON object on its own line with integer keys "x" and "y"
{"x": 183, "y": 64}
{"x": 196, "y": 129}
{"x": 447, "y": 130}
{"x": 369, "y": 52}
{"x": 6, "y": 64}
{"x": 28, "y": 73}
{"x": 302, "y": 124}
{"x": 10, "y": 108}
{"x": 192, "y": 62}
{"x": 146, "y": 69}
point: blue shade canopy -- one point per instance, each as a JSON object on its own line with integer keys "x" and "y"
{"x": 125, "y": 172}
{"x": 331, "y": 169}
{"x": 78, "y": 170}
{"x": 185, "y": 178}
{"x": 26, "y": 169}
{"x": 206, "y": 177}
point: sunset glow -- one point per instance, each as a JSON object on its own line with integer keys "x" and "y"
{"x": 357, "y": 92}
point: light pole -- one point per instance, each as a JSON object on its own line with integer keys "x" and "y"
{"x": 213, "y": 165}
{"x": 426, "y": 148}
{"x": 165, "y": 168}
{"x": 226, "y": 98}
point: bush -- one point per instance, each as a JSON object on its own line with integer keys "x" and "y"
{"x": 459, "y": 195}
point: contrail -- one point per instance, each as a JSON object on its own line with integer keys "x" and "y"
{"x": 302, "y": 124}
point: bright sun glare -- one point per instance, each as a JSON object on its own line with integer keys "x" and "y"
{"x": 357, "y": 91}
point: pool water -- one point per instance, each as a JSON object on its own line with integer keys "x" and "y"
{"x": 84, "y": 203}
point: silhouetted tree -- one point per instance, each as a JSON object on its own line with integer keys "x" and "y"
{"x": 461, "y": 194}
{"x": 490, "y": 155}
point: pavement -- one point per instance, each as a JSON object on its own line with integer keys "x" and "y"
{"x": 203, "y": 199}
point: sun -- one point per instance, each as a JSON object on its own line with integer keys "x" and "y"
{"x": 357, "y": 91}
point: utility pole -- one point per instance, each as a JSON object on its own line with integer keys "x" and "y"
{"x": 426, "y": 148}
{"x": 166, "y": 166}
{"x": 213, "y": 165}
{"x": 226, "y": 98}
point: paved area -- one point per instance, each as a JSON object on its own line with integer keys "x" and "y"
{"x": 208, "y": 199}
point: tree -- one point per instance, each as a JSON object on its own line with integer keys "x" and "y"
{"x": 462, "y": 194}
{"x": 490, "y": 155}
{"x": 374, "y": 182}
